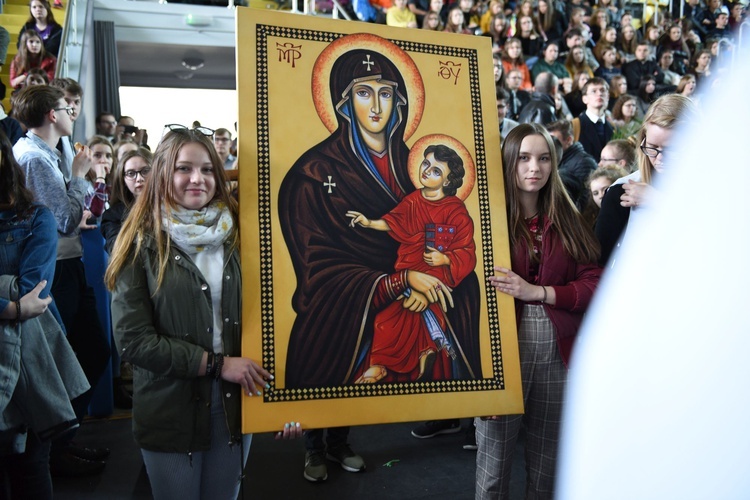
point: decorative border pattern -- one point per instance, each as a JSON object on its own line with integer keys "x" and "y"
{"x": 264, "y": 215}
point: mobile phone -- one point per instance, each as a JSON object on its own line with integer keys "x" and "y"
{"x": 129, "y": 129}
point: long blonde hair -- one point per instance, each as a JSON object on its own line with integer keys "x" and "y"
{"x": 554, "y": 202}
{"x": 668, "y": 111}
{"x": 157, "y": 200}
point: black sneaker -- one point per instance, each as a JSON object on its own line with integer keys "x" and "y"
{"x": 350, "y": 461}
{"x": 470, "y": 439}
{"x": 67, "y": 465}
{"x": 436, "y": 427}
{"x": 315, "y": 466}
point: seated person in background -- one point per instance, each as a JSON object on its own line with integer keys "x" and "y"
{"x": 665, "y": 62}
{"x": 620, "y": 153}
{"x": 43, "y": 22}
{"x": 721, "y": 30}
{"x": 513, "y": 59}
{"x": 31, "y": 54}
{"x": 549, "y": 63}
{"x": 575, "y": 165}
{"x": 624, "y": 116}
{"x": 471, "y": 19}
{"x": 517, "y": 98}
{"x": 506, "y": 124}
{"x": 456, "y": 22}
{"x": 541, "y": 108}
{"x": 607, "y": 69}
{"x": 595, "y": 132}
{"x": 400, "y": 16}
{"x": 635, "y": 70}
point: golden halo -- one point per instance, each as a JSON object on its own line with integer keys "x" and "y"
{"x": 416, "y": 156}
{"x": 321, "y": 92}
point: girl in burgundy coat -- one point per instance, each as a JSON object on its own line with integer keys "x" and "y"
{"x": 553, "y": 277}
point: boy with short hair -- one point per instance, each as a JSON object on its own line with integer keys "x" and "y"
{"x": 49, "y": 118}
{"x": 595, "y": 131}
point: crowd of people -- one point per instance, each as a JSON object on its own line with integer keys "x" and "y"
{"x": 55, "y": 196}
{"x": 587, "y": 104}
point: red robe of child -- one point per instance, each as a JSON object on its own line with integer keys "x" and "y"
{"x": 401, "y": 336}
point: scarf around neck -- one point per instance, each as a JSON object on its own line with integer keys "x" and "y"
{"x": 194, "y": 231}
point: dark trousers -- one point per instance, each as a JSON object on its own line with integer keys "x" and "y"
{"x": 26, "y": 476}
{"x": 316, "y": 440}
{"x": 77, "y": 306}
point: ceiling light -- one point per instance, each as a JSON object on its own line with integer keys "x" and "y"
{"x": 193, "y": 63}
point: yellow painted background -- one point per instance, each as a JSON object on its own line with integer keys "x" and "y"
{"x": 294, "y": 128}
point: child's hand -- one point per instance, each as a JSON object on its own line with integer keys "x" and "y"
{"x": 357, "y": 218}
{"x": 433, "y": 257}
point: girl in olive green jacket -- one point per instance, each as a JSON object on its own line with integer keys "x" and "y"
{"x": 176, "y": 303}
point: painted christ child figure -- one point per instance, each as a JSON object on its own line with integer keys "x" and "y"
{"x": 412, "y": 339}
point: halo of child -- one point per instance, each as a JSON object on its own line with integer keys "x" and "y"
{"x": 416, "y": 156}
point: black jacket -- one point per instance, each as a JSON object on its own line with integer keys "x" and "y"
{"x": 515, "y": 106}
{"x": 540, "y": 109}
{"x": 589, "y": 138}
{"x": 634, "y": 70}
{"x": 575, "y": 167}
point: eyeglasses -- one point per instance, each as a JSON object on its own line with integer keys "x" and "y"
{"x": 175, "y": 127}
{"x": 652, "y": 152}
{"x": 108, "y": 122}
{"x": 609, "y": 160}
{"x": 69, "y": 109}
{"x": 133, "y": 174}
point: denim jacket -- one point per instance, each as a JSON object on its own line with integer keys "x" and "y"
{"x": 28, "y": 248}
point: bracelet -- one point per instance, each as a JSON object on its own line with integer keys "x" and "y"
{"x": 544, "y": 299}
{"x": 219, "y": 365}
{"x": 18, "y": 310}
{"x": 210, "y": 365}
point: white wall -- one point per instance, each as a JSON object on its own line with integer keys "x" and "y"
{"x": 152, "y": 108}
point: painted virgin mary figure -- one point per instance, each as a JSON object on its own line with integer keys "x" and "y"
{"x": 344, "y": 278}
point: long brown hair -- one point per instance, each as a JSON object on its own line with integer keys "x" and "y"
{"x": 120, "y": 191}
{"x": 13, "y": 191}
{"x": 24, "y": 59}
{"x": 50, "y": 16}
{"x": 554, "y": 202}
{"x": 157, "y": 200}
{"x": 95, "y": 141}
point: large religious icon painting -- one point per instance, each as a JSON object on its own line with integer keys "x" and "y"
{"x": 372, "y": 212}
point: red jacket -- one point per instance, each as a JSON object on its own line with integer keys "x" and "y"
{"x": 48, "y": 65}
{"x": 574, "y": 284}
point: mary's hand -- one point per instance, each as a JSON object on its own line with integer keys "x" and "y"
{"x": 431, "y": 287}
{"x": 416, "y": 302}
